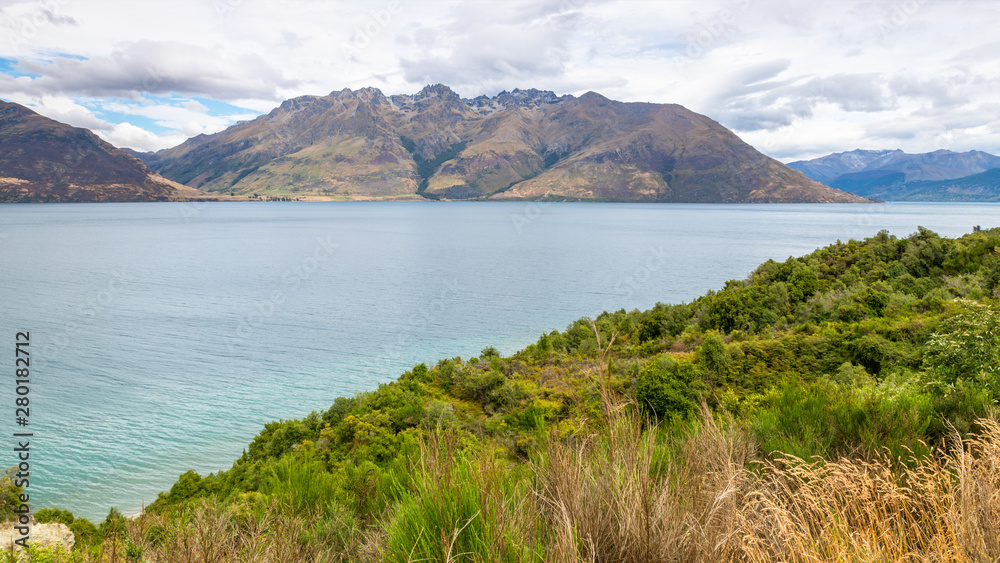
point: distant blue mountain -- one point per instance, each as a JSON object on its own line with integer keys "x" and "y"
{"x": 897, "y": 176}
{"x": 984, "y": 186}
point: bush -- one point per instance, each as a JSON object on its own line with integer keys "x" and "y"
{"x": 491, "y": 388}
{"x": 10, "y": 494}
{"x": 188, "y": 485}
{"x": 713, "y": 356}
{"x": 665, "y": 387}
{"x": 84, "y": 531}
{"x": 114, "y": 524}
{"x": 852, "y": 375}
{"x": 966, "y": 347}
{"x": 870, "y": 351}
{"x": 49, "y": 515}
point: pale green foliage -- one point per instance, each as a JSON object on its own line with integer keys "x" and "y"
{"x": 852, "y": 375}
{"x": 966, "y": 348}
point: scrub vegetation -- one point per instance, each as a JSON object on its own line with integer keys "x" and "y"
{"x": 839, "y": 406}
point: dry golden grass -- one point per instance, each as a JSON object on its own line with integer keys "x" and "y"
{"x": 615, "y": 497}
{"x": 944, "y": 509}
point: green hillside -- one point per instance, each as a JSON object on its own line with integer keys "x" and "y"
{"x": 811, "y": 412}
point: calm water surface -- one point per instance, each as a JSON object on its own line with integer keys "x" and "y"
{"x": 163, "y": 336}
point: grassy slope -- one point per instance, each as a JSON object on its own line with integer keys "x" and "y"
{"x": 872, "y": 353}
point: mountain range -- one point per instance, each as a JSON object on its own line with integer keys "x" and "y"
{"x": 518, "y": 145}
{"x": 523, "y": 144}
{"x": 984, "y": 186}
{"x": 44, "y": 160}
{"x": 898, "y": 176}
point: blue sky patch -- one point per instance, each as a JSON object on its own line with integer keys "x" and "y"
{"x": 103, "y": 109}
{"x": 11, "y": 67}
{"x": 670, "y": 47}
{"x": 52, "y": 56}
{"x": 215, "y": 107}
{"x": 100, "y": 109}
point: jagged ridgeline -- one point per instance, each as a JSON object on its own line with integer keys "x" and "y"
{"x": 654, "y": 433}
{"x": 524, "y": 144}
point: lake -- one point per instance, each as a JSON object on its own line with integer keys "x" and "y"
{"x": 163, "y": 335}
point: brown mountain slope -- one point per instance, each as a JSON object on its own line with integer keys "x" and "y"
{"x": 339, "y": 144}
{"x": 525, "y": 144}
{"x": 44, "y": 160}
{"x": 659, "y": 152}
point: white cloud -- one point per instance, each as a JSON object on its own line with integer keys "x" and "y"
{"x": 187, "y": 119}
{"x": 196, "y": 106}
{"x": 181, "y": 115}
{"x": 63, "y": 109}
{"x": 260, "y": 106}
{"x": 148, "y": 67}
{"x": 475, "y": 50}
{"x": 790, "y": 75}
{"x": 126, "y": 135}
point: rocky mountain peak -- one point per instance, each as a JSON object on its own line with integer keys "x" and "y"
{"x": 437, "y": 91}
{"x": 530, "y": 98}
{"x": 295, "y": 104}
{"x": 371, "y": 95}
{"x": 594, "y": 98}
{"x": 10, "y": 110}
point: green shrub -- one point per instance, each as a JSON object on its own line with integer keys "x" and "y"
{"x": 966, "y": 347}
{"x": 665, "y": 387}
{"x": 188, "y": 485}
{"x": 114, "y": 524}
{"x": 852, "y": 375}
{"x": 49, "y": 515}
{"x": 489, "y": 352}
{"x": 713, "y": 356}
{"x": 85, "y": 532}
{"x": 10, "y": 494}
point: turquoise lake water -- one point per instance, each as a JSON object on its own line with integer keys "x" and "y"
{"x": 163, "y": 336}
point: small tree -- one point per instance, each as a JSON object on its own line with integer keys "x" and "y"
{"x": 714, "y": 356}
{"x": 10, "y": 494}
{"x": 666, "y": 387}
{"x": 114, "y": 524}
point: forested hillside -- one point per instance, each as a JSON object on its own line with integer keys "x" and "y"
{"x": 835, "y": 406}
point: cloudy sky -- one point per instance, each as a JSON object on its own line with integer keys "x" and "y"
{"x": 795, "y": 78}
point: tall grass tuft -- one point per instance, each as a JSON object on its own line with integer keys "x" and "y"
{"x": 621, "y": 496}
{"x": 464, "y": 508}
